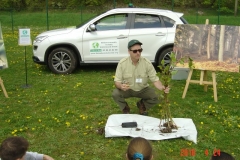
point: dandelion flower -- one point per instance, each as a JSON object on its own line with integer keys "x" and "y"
{"x": 212, "y": 131}
{"x": 68, "y": 124}
{"x": 189, "y": 143}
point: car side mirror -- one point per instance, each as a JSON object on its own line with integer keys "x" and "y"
{"x": 92, "y": 27}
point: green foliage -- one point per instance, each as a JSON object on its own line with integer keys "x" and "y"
{"x": 226, "y": 6}
{"x": 127, "y": 1}
{"x": 184, "y": 3}
{"x": 18, "y": 4}
{"x": 5, "y": 4}
{"x": 226, "y": 10}
{"x": 167, "y": 70}
{"x": 74, "y": 3}
{"x": 95, "y": 2}
{"x": 207, "y": 2}
{"x": 92, "y": 2}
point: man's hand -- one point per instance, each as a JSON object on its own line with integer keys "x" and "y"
{"x": 124, "y": 87}
{"x": 161, "y": 87}
{"x": 46, "y": 157}
{"x": 166, "y": 89}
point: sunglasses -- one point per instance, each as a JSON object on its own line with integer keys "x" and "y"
{"x": 137, "y": 50}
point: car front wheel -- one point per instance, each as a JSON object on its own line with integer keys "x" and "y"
{"x": 62, "y": 61}
{"x": 165, "y": 55}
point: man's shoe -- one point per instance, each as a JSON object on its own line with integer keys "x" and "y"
{"x": 126, "y": 110}
{"x": 142, "y": 108}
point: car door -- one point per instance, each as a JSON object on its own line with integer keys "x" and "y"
{"x": 170, "y": 25}
{"x": 150, "y": 30}
{"x": 108, "y": 43}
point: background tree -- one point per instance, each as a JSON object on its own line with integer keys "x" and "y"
{"x": 225, "y": 6}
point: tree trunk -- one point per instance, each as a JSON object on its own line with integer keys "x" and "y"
{"x": 208, "y": 41}
{"x": 200, "y": 40}
{"x": 221, "y": 43}
{"x": 235, "y": 52}
{"x": 213, "y": 40}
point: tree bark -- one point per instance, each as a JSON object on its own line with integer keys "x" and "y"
{"x": 221, "y": 43}
{"x": 235, "y": 52}
{"x": 200, "y": 40}
{"x": 214, "y": 40}
{"x": 208, "y": 41}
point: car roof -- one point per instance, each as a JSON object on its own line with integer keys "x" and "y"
{"x": 143, "y": 10}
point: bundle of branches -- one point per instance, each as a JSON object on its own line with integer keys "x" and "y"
{"x": 165, "y": 75}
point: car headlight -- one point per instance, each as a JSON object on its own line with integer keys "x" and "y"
{"x": 39, "y": 39}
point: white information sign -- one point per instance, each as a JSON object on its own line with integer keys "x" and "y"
{"x": 104, "y": 47}
{"x": 24, "y": 37}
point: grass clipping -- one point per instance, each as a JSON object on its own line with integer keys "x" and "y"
{"x": 165, "y": 75}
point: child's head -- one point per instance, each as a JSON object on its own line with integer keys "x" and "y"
{"x": 222, "y": 156}
{"x": 13, "y": 148}
{"x": 139, "y": 149}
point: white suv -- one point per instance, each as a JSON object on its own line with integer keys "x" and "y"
{"x": 104, "y": 39}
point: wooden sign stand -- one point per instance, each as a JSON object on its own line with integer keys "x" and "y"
{"x": 3, "y": 88}
{"x": 202, "y": 81}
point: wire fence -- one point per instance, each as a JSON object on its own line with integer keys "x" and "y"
{"x": 47, "y": 18}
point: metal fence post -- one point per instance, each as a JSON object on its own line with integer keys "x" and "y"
{"x": 197, "y": 16}
{"x": 47, "y": 14}
{"x": 81, "y": 13}
{"x": 11, "y": 11}
{"x": 218, "y": 10}
{"x": 114, "y": 3}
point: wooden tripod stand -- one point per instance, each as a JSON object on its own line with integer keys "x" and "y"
{"x": 202, "y": 81}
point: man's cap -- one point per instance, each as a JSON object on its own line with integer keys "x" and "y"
{"x": 130, "y": 5}
{"x": 133, "y": 42}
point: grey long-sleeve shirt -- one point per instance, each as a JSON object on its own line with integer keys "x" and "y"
{"x": 32, "y": 156}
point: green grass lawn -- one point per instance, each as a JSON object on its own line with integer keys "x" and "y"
{"x": 60, "y": 114}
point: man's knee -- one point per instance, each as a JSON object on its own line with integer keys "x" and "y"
{"x": 115, "y": 93}
{"x": 149, "y": 102}
{"x": 155, "y": 100}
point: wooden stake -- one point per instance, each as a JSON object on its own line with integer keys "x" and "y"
{"x": 3, "y": 88}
